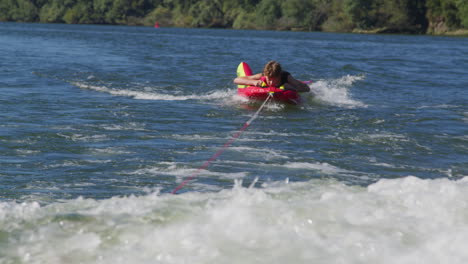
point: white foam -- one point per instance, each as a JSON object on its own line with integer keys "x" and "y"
{"x": 26, "y": 152}
{"x": 110, "y": 151}
{"x": 323, "y": 167}
{"x": 181, "y": 172}
{"x": 440, "y": 106}
{"x": 263, "y": 153}
{"x": 196, "y": 137}
{"x": 336, "y": 92}
{"x": 146, "y": 95}
{"x": 213, "y": 138}
{"x": 132, "y": 126}
{"x": 76, "y": 137}
{"x": 380, "y": 138}
{"x": 406, "y": 220}
{"x": 274, "y": 133}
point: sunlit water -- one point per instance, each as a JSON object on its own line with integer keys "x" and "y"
{"x": 98, "y": 124}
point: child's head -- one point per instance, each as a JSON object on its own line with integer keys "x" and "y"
{"x": 272, "y": 72}
{"x": 272, "y": 69}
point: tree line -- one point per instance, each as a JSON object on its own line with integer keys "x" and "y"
{"x": 380, "y": 16}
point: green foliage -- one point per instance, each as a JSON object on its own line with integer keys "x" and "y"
{"x": 451, "y": 13}
{"x": 267, "y": 14}
{"x": 52, "y": 12}
{"x": 117, "y": 12}
{"x": 401, "y": 16}
{"x": 207, "y": 13}
{"x": 397, "y": 15}
{"x": 462, "y": 6}
{"x": 78, "y": 14}
{"x": 359, "y": 12}
{"x": 297, "y": 13}
{"x": 5, "y": 6}
{"x": 244, "y": 20}
{"x": 338, "y": 20}
{"x": 26, "y": 11}
{"x": 101, "y": 8}
{"x": 161, "y": 14}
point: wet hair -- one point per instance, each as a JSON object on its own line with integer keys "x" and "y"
{"x": 272, "y": 69}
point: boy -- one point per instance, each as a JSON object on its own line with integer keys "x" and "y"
{"x": 274, "y": 76}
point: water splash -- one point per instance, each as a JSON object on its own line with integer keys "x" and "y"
{"x": 148, "y": 95}
{"x": 333, "y": 92}
{"x": 406, "y": 220}
{"x": 337, "y": 91}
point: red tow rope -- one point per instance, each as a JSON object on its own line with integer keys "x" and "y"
{"x": 223, "y": 148}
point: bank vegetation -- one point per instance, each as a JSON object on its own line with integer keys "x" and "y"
{"x": 364, "y": 16}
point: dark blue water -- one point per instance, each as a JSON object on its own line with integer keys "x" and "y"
{"x": 92, "y": 115}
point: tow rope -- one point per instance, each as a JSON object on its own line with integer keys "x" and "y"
{"x": 224, "y": 147}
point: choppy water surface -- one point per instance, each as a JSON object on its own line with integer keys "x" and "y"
{"x": 98, "y": 124}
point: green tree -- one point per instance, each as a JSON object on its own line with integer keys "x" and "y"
{"x": 359, "y": 12}
{"x": 244, "y": 20}
{"x": 207, "y": 13}
{"x": 462, "y": 6}
{"x": 319, "y": 14}
{"x": 450, "y": 13}
{"x": 117, "y": 13}
{"x": 25, "y": 11}
{"x": 53, "y": 11}
{"x": 337, "y": 20}
{"x": 417, "y": 12}
{"x": 140, "y": 8}
{"x": 299, "y": 13}
{"x": 267, "y": 14}
{"x": 5, "y": 8}
{"x": 396, "y": 13}
{"x": 79, "y": 14}
{"x": 101, "y": 7}
{"x": 161, "y": 14}
{"x": 231, "y": 10}
{"x": 411, "y": 16}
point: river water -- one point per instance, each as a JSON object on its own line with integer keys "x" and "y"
{"x": 98, "y": 124}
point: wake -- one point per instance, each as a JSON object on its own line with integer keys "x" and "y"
{"x": 335, "y": 92}
{"x": 142, "y": 95}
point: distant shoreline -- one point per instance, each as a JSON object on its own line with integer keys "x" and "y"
{"x": 417, "y": 17}
{"x": 377, "y": 31}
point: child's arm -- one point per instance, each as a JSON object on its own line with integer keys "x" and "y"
{"x": 294, "y": 84}
{"x": 252, "y": 80}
